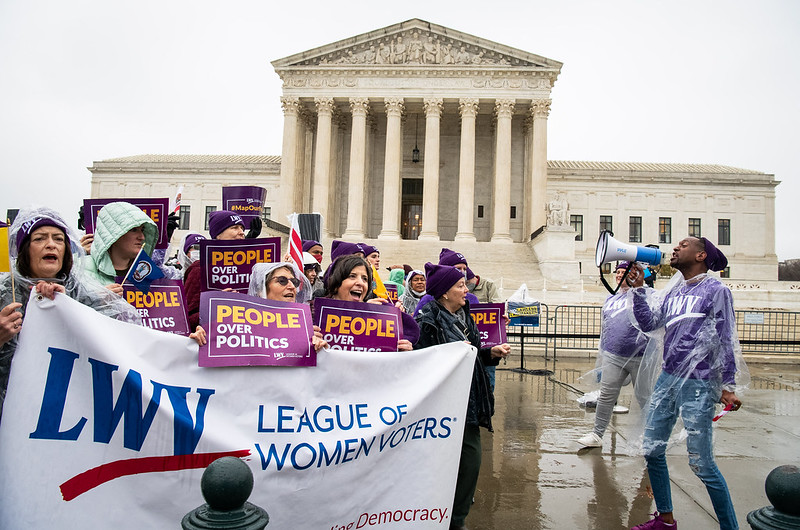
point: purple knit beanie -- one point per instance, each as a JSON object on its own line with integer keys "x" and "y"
{"x": 440, "y": 278}
{"x": 343, "y": 248}
{"x": 451, "y": 257}
{"x": 308, "y": 243}
{"x": 715, "y": 259}
{"x": 220, "y": 220}
{"x": 30, "y": 225}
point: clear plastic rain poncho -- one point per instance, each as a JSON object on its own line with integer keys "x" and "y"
{"x": 698, "y": 357}
{"x": 619, "y": 362}
{"x": 185, "y": 259}
{"x": 75, "y": 284}
{"x": 259, "y": 274}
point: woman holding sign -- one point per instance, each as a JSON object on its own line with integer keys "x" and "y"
{"x": 223, "y": 225}
{"x": 282, "y": 282}
{"x": 446, "y": 319}
{"x": 350, "y": 281}
{"x": 44, "y": 248}
{"x": 121, "y": 231}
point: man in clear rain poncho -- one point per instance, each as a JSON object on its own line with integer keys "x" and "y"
{"x": 702, "y": 365}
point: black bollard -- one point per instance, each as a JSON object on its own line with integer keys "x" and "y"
{"x": 783, "y": 491}
{"x": 226, "y": 485}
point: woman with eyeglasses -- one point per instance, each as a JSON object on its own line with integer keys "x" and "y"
{"x": 283, "y": 282}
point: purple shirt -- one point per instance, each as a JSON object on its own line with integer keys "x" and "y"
{"x": 700, "y": 329}
{"x": 617, "y": 333}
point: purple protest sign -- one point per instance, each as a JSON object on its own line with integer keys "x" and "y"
{"x": 491, "y": 326}
{"x": 161, "y": 308}
{"x": 358, "y": 326}
{"x": 391, "y": 290}
{"x": 247, "y": 201}
{"x": 248, "y": 331}
{"x": 156, "y": 209}
{"x": 226, "y": 264}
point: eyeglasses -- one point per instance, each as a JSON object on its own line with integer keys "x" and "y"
{"x": 283, "y": 281}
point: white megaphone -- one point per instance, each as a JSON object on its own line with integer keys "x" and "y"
{"x": 609, "y": 249}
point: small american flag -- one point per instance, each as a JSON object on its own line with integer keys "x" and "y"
{"x": 295, "y": 242}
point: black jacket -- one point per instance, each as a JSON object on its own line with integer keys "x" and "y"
{"x": 437, "y": 325}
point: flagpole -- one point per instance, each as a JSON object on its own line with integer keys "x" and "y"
{"x": 11, "y": 271}
{"x": 132, "y": 264}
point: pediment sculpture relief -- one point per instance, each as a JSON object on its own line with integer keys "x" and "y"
{"x": 416, "y": 48}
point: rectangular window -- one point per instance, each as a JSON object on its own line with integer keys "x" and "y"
{"x": 725, "y": 273}
{"x": 183, "y": 224}
{"x": 266, "y": 212}
{"x": 665, "y": 230}
{"x": 513, "y": 212}
{"x": 724, "y": 232}
{"x": 606, "y": 268}
{"x": 480, "y": 211}
{"x": 576, "y": 222}
{"x": 606, "y": 223}
{"x": 635, "y": 229}
{"x": 209, "y": 209}
{"x": 694, "y": 227}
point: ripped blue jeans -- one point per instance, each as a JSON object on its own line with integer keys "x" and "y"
{"x": 694, "y": 400}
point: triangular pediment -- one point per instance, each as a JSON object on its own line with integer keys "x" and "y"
{"x": 416, "y": 44}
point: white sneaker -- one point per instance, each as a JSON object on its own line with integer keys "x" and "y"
{"x": 619, "y": 409}
{"x": 590, "y": 440}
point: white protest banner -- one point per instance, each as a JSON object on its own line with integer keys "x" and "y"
{"x": 108, "y": 425}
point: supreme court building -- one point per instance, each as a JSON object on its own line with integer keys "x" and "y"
{"x": 420, "y": 132}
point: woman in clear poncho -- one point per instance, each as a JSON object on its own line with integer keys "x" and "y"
{"x": 44, "y": 249}
{"x": 189, "y": 251}
{"x": 622, "y": 346}
{"x": 283, "y": 282}
{"x": 701, "y": 365}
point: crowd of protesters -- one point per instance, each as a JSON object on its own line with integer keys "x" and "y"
{"x": 689, "y": 324}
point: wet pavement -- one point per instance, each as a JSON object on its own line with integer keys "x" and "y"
{"x": 535, "y": 476}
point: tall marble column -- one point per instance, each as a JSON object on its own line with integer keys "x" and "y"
{"x": 322, "y": 161}
{"x": 468, "y": 107}
{"x": 540, "y": 108}
{"x": 337, "y": 194}
{"x": 430, "y": 183}
{"x": 309, "y": 128}
{"x": 356, "y": 184}
{"x": 289, "y": 186}
{"x": 391, "y": 175}
{"x": 502, "y": 172}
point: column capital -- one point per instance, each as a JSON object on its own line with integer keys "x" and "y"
{"x": 290, "y": 106}
{"x": 540, "y": 108}
{"x": 468, "y": 107}
{"x": 324, "y": 105}
{"x": 340, "y": 119}
{"x": 527, "y": 124}
{"x": 504, "y": 108}
{"x": 359, "y": 106}
{"x": 307, "y": 118}
{"x": 433, "y": 106}
{"x": 394, "y": 106}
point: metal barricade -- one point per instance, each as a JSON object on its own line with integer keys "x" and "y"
{"x": 577, "y": 328}
{"x": 768, "y": 331}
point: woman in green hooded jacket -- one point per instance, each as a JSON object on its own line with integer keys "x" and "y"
{"x": 121, "y": 230}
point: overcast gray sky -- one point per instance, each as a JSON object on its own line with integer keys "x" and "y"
{"x": 693, "y": 81}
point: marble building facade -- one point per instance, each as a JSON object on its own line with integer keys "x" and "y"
{"x": 420, "y": 132}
